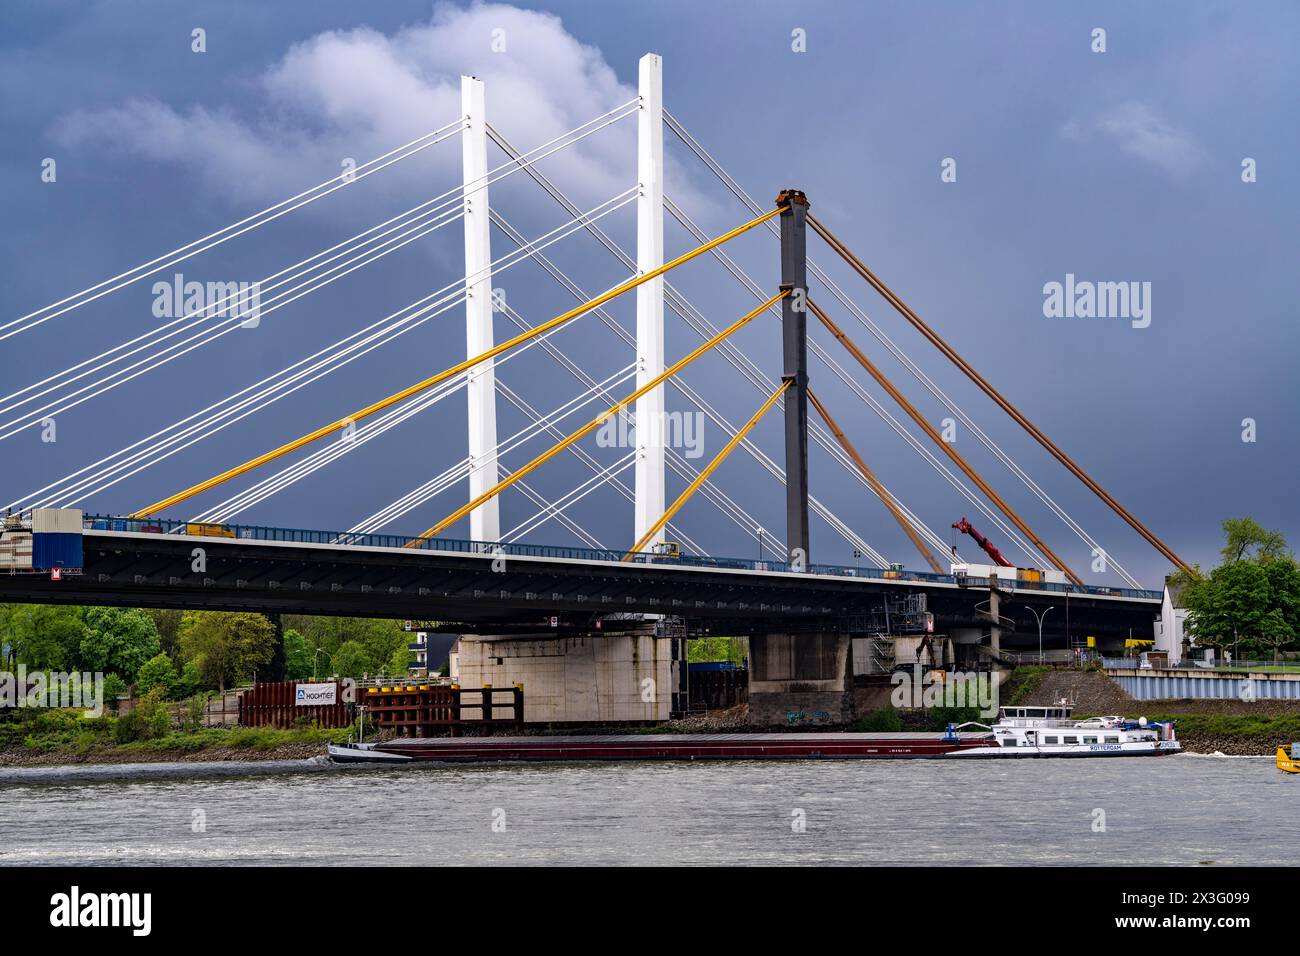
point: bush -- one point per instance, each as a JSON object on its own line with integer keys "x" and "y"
{"x": 195, "y": 712}
{"x": 882, "y": 721}
{"x": 148, "y": 721}
{"x": 114, "y": 687}
{"x": 190, "y": 681}
{"x": 158, "y": 672}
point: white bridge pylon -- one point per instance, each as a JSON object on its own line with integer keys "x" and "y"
{"x": 649, "y": 495}
{"x": 650, "y": 503}
{"x": 480, "y": 390}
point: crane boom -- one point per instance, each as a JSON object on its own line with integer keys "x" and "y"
{"x": 990, "y": 549}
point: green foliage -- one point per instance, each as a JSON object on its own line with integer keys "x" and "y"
{"x": 734, "y": 650}
{"x": 159, "y": 672}
{"x": 1021, "y": 684}
{"x": 168, "y": 624}
{"x": 1246, "y": 540}
{"x": 1274, "y": 730}
{"x": 1252, "y": 600}
{"x": 882, "y": 721}
{"x": 146, "y": 728}
{"x": 194, "y": 712}
{"x": 351, "y": 660}
{"x": 938, "y": 718}
{"x": 149, "y": 720}
{"x": 378, "y": 640}
{"x": 118, "y": 641}
{"x": 114, "y": 687}
{"x": 41, "y": 636}
{"x": 400, "y": 663}
{"x": 298, "y": 655}
{"x": 190, "y": 680}
{"x": 229, "y": 646}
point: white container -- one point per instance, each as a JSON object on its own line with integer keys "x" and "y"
{"x": 56, "y": 521}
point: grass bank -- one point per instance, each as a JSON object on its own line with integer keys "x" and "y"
{"x": 43, "y": 738}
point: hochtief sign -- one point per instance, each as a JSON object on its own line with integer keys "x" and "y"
{"x": 316, "y": 695}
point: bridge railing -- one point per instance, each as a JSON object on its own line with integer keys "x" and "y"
{"x": 517, "y": 549}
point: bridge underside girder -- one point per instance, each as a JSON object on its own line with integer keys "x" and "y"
{"x": 481, "y": 593}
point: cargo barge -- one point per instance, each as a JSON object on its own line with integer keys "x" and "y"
{"x": 781, "y": 746}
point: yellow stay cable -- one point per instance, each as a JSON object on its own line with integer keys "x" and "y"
{"x": 592, "y": 425}
{"x": 449, "y": 373}
{"x": 703, "y": 476}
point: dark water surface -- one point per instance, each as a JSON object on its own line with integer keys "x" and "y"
{"x": 1175, "y": 810}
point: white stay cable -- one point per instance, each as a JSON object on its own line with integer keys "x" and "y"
{"x": 598, "y": 389}
{"x": 439, "y": 483}
{"x": 819, "y": 432}
{"x": 234, "y": 323}
{"x": 679, "y": 305}
{"x": 898, "y": 353}
{"x": 446, "y": 200}
{"x": 376, "y": 334}
{"x": 935, "y": 541}
{"x": 85, "y": 393}
{"x": 674, "y": 459}
{"x": 572, "y": 497}
{"x": 182, "y": 253}
{"x": 236, "y": 303}
{"x": 292, "y": 473}
{"x": 679, "y": 464}
{"x": 362, "y": 342}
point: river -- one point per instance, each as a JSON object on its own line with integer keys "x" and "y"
{"x": 1187, "y": 809}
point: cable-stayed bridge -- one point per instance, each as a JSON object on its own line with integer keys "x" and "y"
{"x": 191, "y": 548}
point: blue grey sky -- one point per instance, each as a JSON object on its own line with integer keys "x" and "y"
{"x": 1117, "y": 166}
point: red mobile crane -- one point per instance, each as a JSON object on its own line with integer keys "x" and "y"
{"x": 990, "y": 549}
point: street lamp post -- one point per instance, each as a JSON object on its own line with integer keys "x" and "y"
{"x": 1039, "y": 618}
{"x": 316, "y": 658}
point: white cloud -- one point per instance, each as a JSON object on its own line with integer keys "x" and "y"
{"x": 359, "y": 93}
{"x": 1140, "y": 131}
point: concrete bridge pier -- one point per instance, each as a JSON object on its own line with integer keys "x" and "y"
{"x": 800, "y": 679}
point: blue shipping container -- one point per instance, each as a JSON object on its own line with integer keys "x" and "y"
{"x": 713, "y": 666}
{"x": 61, "y": 550}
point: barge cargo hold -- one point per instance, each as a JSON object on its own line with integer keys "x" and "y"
{"x": 789, "y": 746}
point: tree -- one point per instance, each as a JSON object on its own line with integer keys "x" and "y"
{"x": 232, "y": 645}
{"x": 350, "y": 660}
{"x": 42, "y": 637}
{"x": 298, "y": 656}
{"x": 168, "y": 623}
{"x": 114, "y": 687}
{"x": 399, "y": 663}
{"x": 158, "y": 671}
{"x": 1252, "y": 599}
{"x": 190, "y": 681}
{"x": 1247, "y": 540}
{"x": 118, "y": 641}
